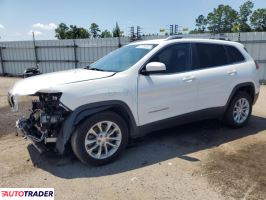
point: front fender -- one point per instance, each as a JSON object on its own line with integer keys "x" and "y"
{"x": 84, "y": 111}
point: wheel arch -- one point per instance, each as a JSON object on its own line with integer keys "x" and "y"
{"x": 84, "y": 111}
{"x": 248, "y": 87}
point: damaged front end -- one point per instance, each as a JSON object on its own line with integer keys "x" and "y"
{"x": 45, "y": 121}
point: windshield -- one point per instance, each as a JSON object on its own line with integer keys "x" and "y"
{"x": 123, "y": 58}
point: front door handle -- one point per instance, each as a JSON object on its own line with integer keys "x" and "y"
{"x": 232, "y": 72}
{"x": 188, "y": 78}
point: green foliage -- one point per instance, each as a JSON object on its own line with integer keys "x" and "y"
{"x": 94, "y": 29}
{"x": 71, "y": 32}
{"x": 195, "y": 31}
{"x": 243, "y": 16}
{"x": 83, "y": 33}
{"x": 225, "y": 19}
{"x": 106, "y": 34}
{"x": 222, "y": 19}
{"x": 117, "y": 32}
{"x": 258, "y": 20}
{"x": 77, "y": 33}
{"x": 61, "y": 31}
{"x": 201, "y": 24}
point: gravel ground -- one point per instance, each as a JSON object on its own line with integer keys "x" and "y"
{"x": 197, "y": 161}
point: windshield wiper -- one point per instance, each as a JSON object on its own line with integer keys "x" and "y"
{"x": 96, "y": 69}
{"x": 93, "y": 68}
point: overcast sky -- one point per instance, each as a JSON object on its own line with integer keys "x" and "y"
{"x": 18, "y": 18}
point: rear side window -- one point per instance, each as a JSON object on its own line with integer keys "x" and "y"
{"x": 234, "y": 54}
{"x": 208, "y": 55}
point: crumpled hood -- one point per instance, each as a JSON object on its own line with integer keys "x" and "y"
{"x": 48, "y": 82}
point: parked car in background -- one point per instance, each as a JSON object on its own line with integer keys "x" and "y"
{"x": 31, "y": 71}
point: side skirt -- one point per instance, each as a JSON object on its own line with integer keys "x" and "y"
{"x": 209, "y": 113}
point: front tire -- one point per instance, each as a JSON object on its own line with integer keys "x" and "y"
{"x": 239, "y": 110}
{"x": 100, "y": 139}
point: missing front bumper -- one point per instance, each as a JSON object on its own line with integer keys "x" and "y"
{"x": 23, "y": 129}
{"x": 39, "y": 140}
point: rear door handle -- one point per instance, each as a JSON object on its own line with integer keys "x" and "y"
{"x": 232, "y": 72}
{"x": 188, "y": 78}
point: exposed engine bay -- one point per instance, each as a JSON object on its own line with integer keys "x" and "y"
{"x": 45, "y": 121}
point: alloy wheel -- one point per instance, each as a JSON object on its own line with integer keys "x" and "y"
{"x": 241, "y": 110}
{"x": 103, "y": 139}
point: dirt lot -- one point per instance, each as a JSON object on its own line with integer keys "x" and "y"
{"x": 198, "y": 161}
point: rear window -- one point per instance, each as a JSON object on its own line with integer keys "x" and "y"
{"x": 234, "y": 54}
{"x": 208, "y": 55}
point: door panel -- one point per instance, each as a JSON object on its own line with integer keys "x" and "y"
{"x": 164, "y": 96}
{"x": 213, "y": 87}
{"x": 214, "y": 74}
{"x": 170, "y": 93}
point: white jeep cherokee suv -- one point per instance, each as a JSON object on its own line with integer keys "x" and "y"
{"x": 139, "y": 88}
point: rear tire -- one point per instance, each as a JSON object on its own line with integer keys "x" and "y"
{"x": 100, "y": 139}
{"x": 239, "y": 110}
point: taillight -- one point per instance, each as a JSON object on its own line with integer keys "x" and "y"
{"x": 257, "y": 65}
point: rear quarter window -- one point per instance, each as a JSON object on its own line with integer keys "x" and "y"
{"x": 206, "y": 55}
{"x": 234, "y": 54}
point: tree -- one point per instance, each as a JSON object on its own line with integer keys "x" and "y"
{"x": 83, "y": 33}
{"x": 201, "y": 24}
{"x": 258, "y": 19}
{"x": 77, "y": 33}
{"x": 222, "y": 19}
{"x": 72, "y": 32}
{"x": 94, "y": 29}
{"x": 116, "y": 31}
{"x": 61, "y": 31}
{"x": 243, "y": 16}
{"x": 194, "y": 31}
{"x": 106, "y": 34}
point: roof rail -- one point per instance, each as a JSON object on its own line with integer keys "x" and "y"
{"x": 174, "y": 37}
{"x": 216, "y": 36}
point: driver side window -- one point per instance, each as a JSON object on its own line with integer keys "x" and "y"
{"x": 175, "y": 57}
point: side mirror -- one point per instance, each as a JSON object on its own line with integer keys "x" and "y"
{"x": 155, "y": 67}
